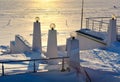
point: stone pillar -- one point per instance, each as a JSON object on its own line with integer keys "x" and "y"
{"x": 73, "y": 52}
{"x": 52, "y": 43}
{"x": 112, "y": 31}
{"x": 37, "y": 46}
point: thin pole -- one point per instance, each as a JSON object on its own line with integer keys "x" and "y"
{"x": 34, "y": 66}
{"x": 3, "y": 70}
{"x": 82, "y": 14}
{"x": 63, "y": 69}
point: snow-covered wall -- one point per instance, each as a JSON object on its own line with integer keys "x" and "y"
{"x": 13, "y": 48}
{"x": 88, "y": 42}
{"x": 19, "y": 45}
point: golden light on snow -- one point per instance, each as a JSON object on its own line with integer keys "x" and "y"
{"x": 52, "y": 26}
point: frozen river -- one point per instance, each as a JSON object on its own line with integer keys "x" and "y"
{"x": 17, "y": 17}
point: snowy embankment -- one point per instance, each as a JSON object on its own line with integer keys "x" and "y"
{"x": 103, "y": 65}
{"x": 104, "y": 59}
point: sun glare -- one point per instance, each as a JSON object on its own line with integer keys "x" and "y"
{"x": 42, "y": 0}
{"x": 46, "y": 0}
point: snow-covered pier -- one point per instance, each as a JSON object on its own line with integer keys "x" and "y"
{"x": 100, "y": 33}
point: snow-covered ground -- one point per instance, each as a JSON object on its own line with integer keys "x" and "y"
{"x": 52, "y": 76}
{"x": 102, "y": 65}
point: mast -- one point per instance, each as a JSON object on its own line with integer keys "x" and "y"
{"x": 82, "y": 14}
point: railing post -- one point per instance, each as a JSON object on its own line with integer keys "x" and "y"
{"x": 34, "y": 66}
{"x": 100, "y": 25}
{"x": 87, "y": 22}
{"x": 3, "y": 73}
{"x": 93, "y": 25}
{"x": 63, "y": 69}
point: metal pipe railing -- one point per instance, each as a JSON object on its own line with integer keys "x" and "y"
{"x": 34, "y": 63}
{"x": 101, "y": 24}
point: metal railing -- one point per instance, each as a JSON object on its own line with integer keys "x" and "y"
{"x": 100, "y": 24}
{"x": 49, "y": 62}
{"x": 32, "y": 65}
